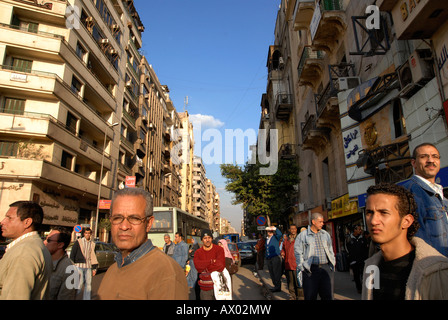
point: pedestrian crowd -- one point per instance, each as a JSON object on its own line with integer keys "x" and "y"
{"x": 405, "y": 257}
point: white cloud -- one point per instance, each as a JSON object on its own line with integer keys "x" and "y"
{"x": 205, "y": 121}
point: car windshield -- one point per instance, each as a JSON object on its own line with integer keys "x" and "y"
{"x": 232, "y": 246}
{"x": 244, "y": 246}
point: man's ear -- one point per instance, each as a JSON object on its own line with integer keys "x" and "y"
{"x": 407, "y": 221}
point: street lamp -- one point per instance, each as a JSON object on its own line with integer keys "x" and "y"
{"x": 101, "y": 178}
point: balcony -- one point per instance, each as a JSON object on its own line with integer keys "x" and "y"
{"x": 311, "y": 67}
{"x": 283, "y": 106}
{"x": 303, "y": 13}
{"x": 330, "y": 25}
{"x": 327, "y": 108}
{"x": 288, "y": 151}
{"x": 314, "y": 138}
{"x": 128, "y": 145}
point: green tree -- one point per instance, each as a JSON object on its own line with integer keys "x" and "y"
{"x": 270, "y": 195}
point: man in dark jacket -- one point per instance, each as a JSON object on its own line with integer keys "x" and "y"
{"x": 357, "y": 253}
{"x": 273, "y": 258}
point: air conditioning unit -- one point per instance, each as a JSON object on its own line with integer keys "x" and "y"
{"x": 113, "y": 51}
{"x": 89, "y": 19}
{"x": 346, "y": 83}
{"x": 301, "y": 207}
{"x": 104, "y": 41}
{"x": 129, "y": 84}
{"x": 415, "y": 72}
{"x": 115, "y": 27}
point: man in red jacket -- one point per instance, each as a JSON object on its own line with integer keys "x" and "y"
{"x": 207, "y": 259}
{"x": 290, "y": 262}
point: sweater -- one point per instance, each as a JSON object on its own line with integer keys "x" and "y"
{"x": 428, "y": 279}
{"x": 209, "y": 261}
{"x": 154, "y": 276}
{"x": 25, "y": 270}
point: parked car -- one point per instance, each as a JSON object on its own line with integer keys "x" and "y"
{"x": 247, "y": 252}
{"x": 235, "y": 253}
{"x": 105, "y": 253}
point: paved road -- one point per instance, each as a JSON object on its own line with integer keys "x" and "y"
{"x": 245, "y": 285}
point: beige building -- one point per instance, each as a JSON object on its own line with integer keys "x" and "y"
{"x": 186, "y": 170}
{"x": 199, "y": 188}
{"x": 62, "y": 91}
{"x": 362, "y": 100}
{"x": 213, "y": 206}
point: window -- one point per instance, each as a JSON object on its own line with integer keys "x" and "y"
{"x": 71, "y": 122}
{"x": 8, "y": 148}
{"x": 76, "y": 86}
{"x": 14, "y": 106}
{"x": 21, "y": 65}
{"x": 66, "y": 160}
{"x": 80, "y": 51}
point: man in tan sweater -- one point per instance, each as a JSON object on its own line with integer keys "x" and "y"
{"x": 142, "y": 271}
{"x": 25, "y": 269}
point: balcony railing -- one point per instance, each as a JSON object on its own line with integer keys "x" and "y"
{"x": 307, "y": 126}
{"x": 308, "y": 53}
{"x": 330, "y": 5}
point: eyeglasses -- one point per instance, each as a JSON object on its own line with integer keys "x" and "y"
{"x": 134, "y": 220}
{"x": 427, "y": 156}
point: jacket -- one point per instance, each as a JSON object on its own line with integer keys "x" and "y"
{"x": 428, "y": 279}
{"x": 77, "y": 255}
{"x": 153, "y": 276}
{"x": 58, "y": 287}
{"x": 305, "y": 243}
{"x": 432, "y": 214}
{"x": 288, "y": 250}
{"x": 273, "y": 247}
{"x": 25, "y": 271}
{"x": 170, "y": 249}
{"x": 180, "y": 253}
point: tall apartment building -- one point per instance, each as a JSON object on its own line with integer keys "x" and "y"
{"x": 186, "y": 170}
{"x": 363, "y": 99}
{"x": 62, "y": 90}
{"x": 213, "y": 206}
{"x": 199, "y": 188}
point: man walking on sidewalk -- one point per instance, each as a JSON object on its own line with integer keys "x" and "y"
{"x": 273, "y": 257}
{"x": 315, "y": 258}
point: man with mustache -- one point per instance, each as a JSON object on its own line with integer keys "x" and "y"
{"x": 431, "y": 203}
{"x": 142, "y": 271}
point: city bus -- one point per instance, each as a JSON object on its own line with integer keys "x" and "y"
{"x": 169, "y": 220}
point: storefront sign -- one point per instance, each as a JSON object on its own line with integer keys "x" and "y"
{"x": 342, "y": 207}
{"x": 130, "y": 182}
{"x": 104, "y": 204}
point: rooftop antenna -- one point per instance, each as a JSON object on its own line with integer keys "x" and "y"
{"x": 185, "y": 103}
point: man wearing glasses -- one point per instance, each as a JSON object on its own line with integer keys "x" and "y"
{"x": 141, "y": 271}
{"x": 431, "y": 203}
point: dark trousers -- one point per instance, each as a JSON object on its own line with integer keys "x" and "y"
{"x": 260, "y": 259}
{"x": 275, "y": 271}
{"x": 319, "y": 281}
{"x": 293, "y": 286}
{"x": 358, "y": 269}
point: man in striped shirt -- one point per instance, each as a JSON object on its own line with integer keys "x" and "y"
{"x": 84, "y": 258}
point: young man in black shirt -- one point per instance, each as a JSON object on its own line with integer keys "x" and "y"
{"x": 406, "y": 268}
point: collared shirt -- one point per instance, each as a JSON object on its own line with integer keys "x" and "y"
{"x": 13, "y": 243}
{"x": 434, "y": 186}
{"x": 134, "y": 255}
{"x": 319, "y": 256}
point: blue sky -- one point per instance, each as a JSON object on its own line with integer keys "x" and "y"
{"x": 215, "y": 53}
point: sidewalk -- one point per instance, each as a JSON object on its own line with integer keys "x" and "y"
{"x": 344, "y": 287}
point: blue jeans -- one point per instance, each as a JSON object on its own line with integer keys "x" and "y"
{"x": 319, "y": 281}
{"x": 85, "y": 277}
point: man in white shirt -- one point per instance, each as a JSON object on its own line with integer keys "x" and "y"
{"x": 431, "y": 203}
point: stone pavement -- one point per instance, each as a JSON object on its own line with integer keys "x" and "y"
{"x": 344, "y": 287}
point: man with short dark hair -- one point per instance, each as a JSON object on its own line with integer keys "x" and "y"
{"x": 180, "y": 253}
{"x": 56, "y": 242}
{"x": 168, "y": 247}
{"x": 25, "y": 269}
{"x": 432, "y": 206}
{"x": 207, "y": 259}
{"x": 141, "y": 271}
{"x": 406, "y": 268}
{"x": 84, "y": 257}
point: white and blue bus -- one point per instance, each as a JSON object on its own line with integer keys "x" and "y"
{"x": 169, "y": 220}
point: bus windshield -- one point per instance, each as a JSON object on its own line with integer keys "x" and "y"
{"x": 163, "y": 222}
